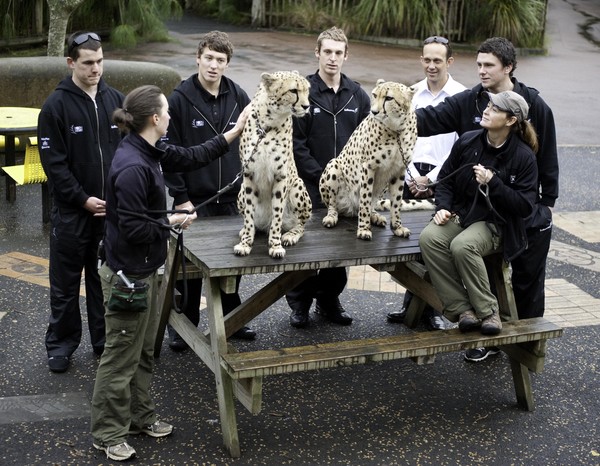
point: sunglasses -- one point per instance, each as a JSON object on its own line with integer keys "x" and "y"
{"x": 83, "y": 38}
{"x": 436, "y": 39}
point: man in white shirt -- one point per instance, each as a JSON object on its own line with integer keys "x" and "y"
{"x": 430, "y": 152}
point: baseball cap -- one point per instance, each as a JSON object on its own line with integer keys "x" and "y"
{"x": 511, "y": 102}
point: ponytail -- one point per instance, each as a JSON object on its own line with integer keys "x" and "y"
{"x": 529, "y": 135}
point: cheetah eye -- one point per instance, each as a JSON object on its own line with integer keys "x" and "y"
{"x": 294, "y": 91}
{"x": 388, "y": 98}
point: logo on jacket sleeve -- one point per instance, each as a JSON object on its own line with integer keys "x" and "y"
{"x": 197, "y": 123}
{"x": 76, "y": 129}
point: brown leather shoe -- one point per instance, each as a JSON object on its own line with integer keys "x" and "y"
{"x": 491, "y": 325}
{"x": 468, "y": 321}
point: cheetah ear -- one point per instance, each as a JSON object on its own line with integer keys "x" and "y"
{"x": 380, "y": 81}
{"x": 412, "y": 89}
{"x": 296, "y": 72}
{"x": 267, "y": 79}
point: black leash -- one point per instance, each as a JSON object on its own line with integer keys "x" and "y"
{"x": 482, "y": 189}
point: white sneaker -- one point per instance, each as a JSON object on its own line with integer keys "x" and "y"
{"x": 121, "y": 452}
{"x": 157, "y": 429}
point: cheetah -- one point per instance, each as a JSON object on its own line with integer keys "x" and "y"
{"x": 273, "y": 197}
{"x": 373, "y": 160}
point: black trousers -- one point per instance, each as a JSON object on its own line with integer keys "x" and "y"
{"x": 529, "y": 274}
{"x": 73, "y": 248}
{"x": 325, "y": 285}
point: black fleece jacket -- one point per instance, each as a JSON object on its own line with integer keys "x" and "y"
{"x": 512, "y": 189}
{"x": 196, "y": 117}
{"x": 321, "y": 134}
{"x": 462, "y": 112}
{"x": 77, "y": 141}
{"x": 136, "y": 184}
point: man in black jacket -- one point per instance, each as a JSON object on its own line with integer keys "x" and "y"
{"x": 338, "y": 105}
{"x": 201, "y": 107}
{"x": 496, "y": 63}
{"x": 77, "y": 141}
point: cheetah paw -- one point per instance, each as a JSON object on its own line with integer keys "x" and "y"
{"x": 329, "y": 221}
{"x": 241, "y": 249}
{"x": 378, "y": 219}
{"x": 401, "y": 231}
{"x": 277, "y": 252}
{"x": 367, "y": 235}
{"x": 289, "y": 239}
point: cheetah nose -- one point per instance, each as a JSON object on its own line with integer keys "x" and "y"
{"x": 374, "y": 112}
{"x": 306, "y": 107}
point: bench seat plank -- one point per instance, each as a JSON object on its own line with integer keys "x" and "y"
{"x": 414, "y": 345}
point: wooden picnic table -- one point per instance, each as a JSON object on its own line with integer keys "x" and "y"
{"x": 208, "y": 246}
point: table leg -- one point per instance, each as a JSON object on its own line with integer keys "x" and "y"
{"x": 9, "y": 154}
{"x": 223, "y": 381}
{"x": 165, "y": 294}
{"x": 522, "y": 381}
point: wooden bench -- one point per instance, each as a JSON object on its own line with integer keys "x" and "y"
{"x": 524, "y": 341}
{"x": 32, "y": 172}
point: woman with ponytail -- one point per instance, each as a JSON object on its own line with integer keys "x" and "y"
{"x": 135, "y": 241}
{"x": 488, "y": 185}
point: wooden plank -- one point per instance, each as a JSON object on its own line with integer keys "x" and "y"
{"x": 522, "y": 382}
{"x": 165, "y": 295}
{"x": 210, "y": 247}
{"x": 262, "y": 299}
{"x": 224, "y": 384}
{"x": 414, "y": 345}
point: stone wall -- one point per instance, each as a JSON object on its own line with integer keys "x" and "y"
{"x": 27, "y": 82}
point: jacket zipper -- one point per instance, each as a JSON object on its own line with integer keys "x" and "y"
{"x": 334, "y": 115}
{"x": 99, "y": 145}
{"x": 217, "y": 133}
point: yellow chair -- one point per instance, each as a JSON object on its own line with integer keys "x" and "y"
{"x": 32, "y": 172}
{"x": 2, "y": 143}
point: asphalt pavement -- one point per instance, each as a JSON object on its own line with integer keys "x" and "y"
{"x": 393, "y": 413}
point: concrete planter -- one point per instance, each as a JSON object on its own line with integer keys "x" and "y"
{"x": 27, "y": 82}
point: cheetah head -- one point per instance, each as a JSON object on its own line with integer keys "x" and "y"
{"x": 287, "y": 92}
{"x": 391, "y": 103}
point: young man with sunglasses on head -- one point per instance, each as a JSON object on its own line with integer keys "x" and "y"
{"x": 77, "y": 141}
{"x": 430, "y": 152}
{"x": 496, "y": 63}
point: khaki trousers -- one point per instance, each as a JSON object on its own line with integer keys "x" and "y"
{"x": 454, "y": 256}
{"x": 121, "y": 401}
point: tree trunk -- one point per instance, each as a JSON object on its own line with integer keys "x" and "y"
{"x": 258, "y": 13}
{"x": 39, "y": 17}
{"x": 59, "y": 12}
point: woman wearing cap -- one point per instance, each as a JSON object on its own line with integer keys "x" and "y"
{"x": 487, "y": 186}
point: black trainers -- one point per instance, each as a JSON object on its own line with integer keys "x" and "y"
{"x": 397, "y": 317}
{"x": 479, "y": 354}
{"x": 177, "y": 343}
{"x": 58, "y": 363}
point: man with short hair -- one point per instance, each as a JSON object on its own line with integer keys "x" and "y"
{"x": 430, "y": 152}
{"x": 338, "y": 105}
{"x": 204, "y": 105}
{"x": 496, "y": 63}
{"x": 77, "y": 141}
